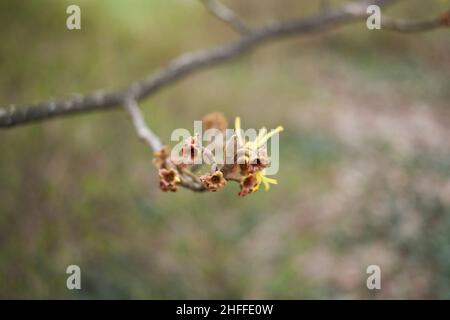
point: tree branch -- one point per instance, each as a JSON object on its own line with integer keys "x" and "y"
{"x": 405, "y": 26}
{"x": 193, "y": 62}
{"x": 226, "y": 15}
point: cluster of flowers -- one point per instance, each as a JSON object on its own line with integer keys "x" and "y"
{"x": 247, "y": 168}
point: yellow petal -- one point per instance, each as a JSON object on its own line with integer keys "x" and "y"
{"x": 268, "y": 136}
{"x": 267, "y": 181}
{"x": 270, "y": 180}
{"x": 237, "y": 128}
{"x": 258, "y": 177}
{"x": 237, "y": 123}
{"x": 261, "y": 134}
{"x": 255, "y": 143}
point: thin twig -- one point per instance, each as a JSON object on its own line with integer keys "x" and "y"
{"x": 405, "y": 26}
{"x": 143, "y": 131}
{"x": 226, "y": 15}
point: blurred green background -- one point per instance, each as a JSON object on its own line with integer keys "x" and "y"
{"x": 364, "y": 170}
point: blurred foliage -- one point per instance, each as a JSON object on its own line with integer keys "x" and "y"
{"x": 364, "y": 175}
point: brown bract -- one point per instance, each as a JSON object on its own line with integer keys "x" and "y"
{"x": 259, "y": 159}
{"x": 214, "y": 182}
{"x": 160, "y": 157}
{"x": 168, "y": 180}
{"x": 248, "y": 184}
{"x": 215, "y": 120}
{"x": 445, "y": 19}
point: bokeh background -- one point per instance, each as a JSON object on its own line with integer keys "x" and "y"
{"x": 364, "y": 173}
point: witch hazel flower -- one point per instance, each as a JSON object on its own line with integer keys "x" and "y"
{"x": 168, "y": 180}
{"x": 252, "y": 159}
{"x": 214, "y": 181}
{"x": 245, "y": 160}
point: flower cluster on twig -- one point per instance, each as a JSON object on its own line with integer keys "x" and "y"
{"x": 246, "y": 166}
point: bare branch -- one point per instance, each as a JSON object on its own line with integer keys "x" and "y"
{"x": 191, "y": 183}
{"x": 227, "y": 15}
{"x": 193, "y": 62}
{"x": 187, "y": 179}
{"x": 143, "y": 131}
{"x": 405, "y": 26}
